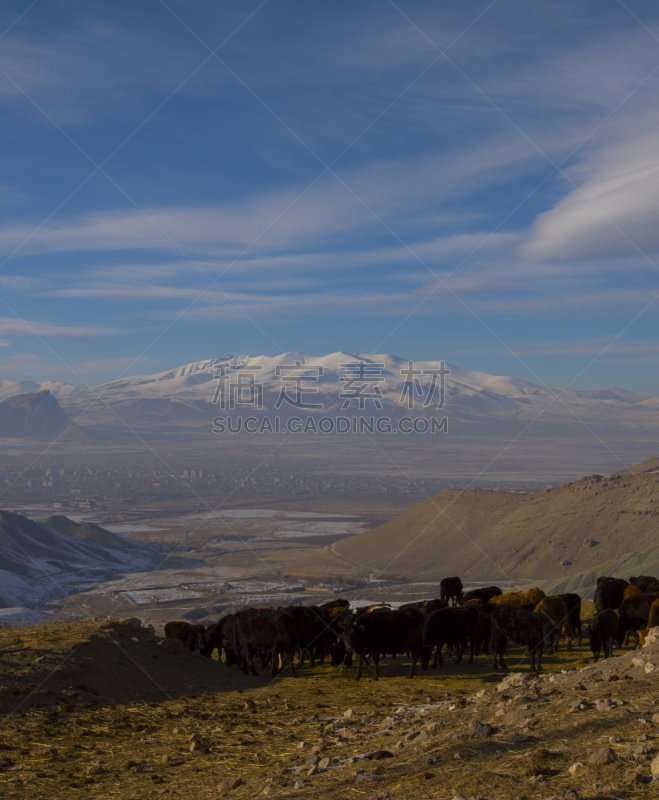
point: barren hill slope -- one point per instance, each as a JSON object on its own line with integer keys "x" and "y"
{"x": 91, "y": 532}
{"x": 493, "y": 535}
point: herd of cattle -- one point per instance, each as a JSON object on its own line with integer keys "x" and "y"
{"x": 486, "y": 619}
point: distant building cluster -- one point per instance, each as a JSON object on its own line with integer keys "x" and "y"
{"x": 95, "y": 483}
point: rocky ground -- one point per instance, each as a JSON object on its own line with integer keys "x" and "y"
{"x": 101, "y": 709}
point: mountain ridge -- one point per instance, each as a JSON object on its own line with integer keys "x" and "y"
{"x": 186, "y": 393}
{"x": 496, "y": 535}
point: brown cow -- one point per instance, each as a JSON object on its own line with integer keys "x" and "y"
{"x": 653, "y": 620}
{"x": 634, "y": 613}
{"x": 535, "y": 595}
{"x": 511, "y": 599}
{"x": 631, "y": 591}
{"x": 555, "y": 609}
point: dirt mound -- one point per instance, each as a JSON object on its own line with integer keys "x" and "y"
{"x": 112, "y": 662}
{"x": 495, "y": 535}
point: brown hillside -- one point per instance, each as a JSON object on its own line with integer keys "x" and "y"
{"x": 493, "y": 535}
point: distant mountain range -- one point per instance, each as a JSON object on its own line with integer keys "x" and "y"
{"x": 44, "y": 560}
{"x": 185, "y": 395}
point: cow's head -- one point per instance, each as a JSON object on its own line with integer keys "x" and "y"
{"x": 353, "y": 635}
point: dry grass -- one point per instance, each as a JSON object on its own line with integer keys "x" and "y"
{"x": 77, "y": 695}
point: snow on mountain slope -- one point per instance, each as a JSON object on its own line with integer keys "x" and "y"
{"x": 38, "y": 562}
{"x": 469, "y": 394}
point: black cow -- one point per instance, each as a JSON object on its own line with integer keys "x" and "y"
{"x": 376, "y": 634}
{"x": 451, "y": 626}
{"x": 451, "y": 589}
{"x": 602, "y": 633}
{"x": 339, "y": 602}
{"x": 646, "y": 583}
{"x": 486, "y": 593}
{"x": 573, "y": 603}
{"x": 220, "y": 636}
{"x": 314, "y": 636}
{"x": 266, "y": 630}
{"x": 535, "y": 631}
{"x": 608, "y": 578}
{"x": 426, "y": 607}
{"x": 184, "y": 632}
{"x": 484, "y": 634}
{"x": 609, "y": 594}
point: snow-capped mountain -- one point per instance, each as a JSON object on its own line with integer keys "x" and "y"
{"x": 188, "y": 392}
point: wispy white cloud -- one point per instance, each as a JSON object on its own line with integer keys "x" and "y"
{"x": 12, "y": 325}
{"x": 613, "y": 212}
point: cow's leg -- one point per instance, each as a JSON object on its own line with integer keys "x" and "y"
{"x": 248, "y": 662}
{"x": 436, "y": 661}
{"x": 291, "y": 659}
{"x": 438, "y": 655}
{"x": 471, "y": 649}
{"x": 359, "y": 668}
{"x": 502, "y": 650}
{"x": 540, "y": 652}
{"x": 415, "y": 658}
{"x": 459, "y": 649}
{"x": 376, "y": 665}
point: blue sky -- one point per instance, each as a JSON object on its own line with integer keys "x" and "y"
{"x": 469, "y": 181}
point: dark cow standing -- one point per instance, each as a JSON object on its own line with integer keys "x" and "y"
{"x": 486, "y": 593}
{"x": 609, "y": 594}
{"x": 451, "y": 626}
{"x": 375, "y": 634}
{"x": 573, "y": 603}
{"x": 339, "y": 602}
{"x": 184, "y": 632}
{"x": 451, "y": 589}
{"x": 426, "y": 607}
{"x": 266, "y": 630}
{"x": 314, "y": 635}
{"x": 220, "y": 636}
{"x": 609, "y": 578}
{"x": 535, "y": 631}
{"x": 602, "y": 633}
{"x": 646, "y": 583}
{"x": 484, "y": 634}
